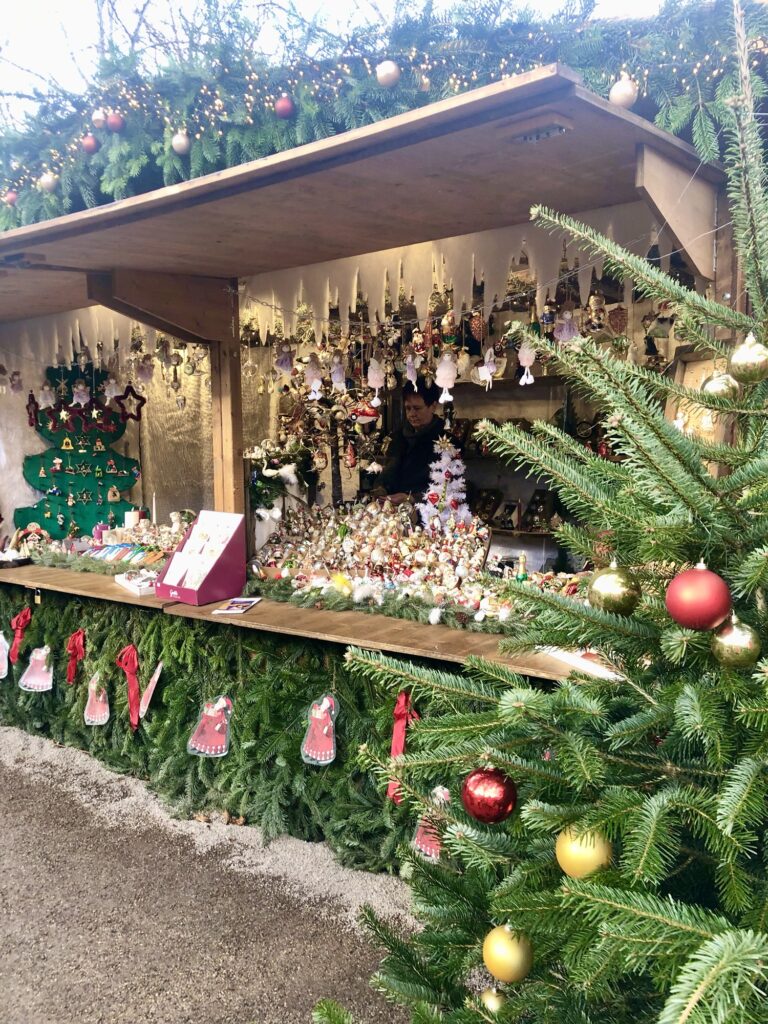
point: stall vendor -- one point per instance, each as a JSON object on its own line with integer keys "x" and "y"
{"x": 406, "y": 471}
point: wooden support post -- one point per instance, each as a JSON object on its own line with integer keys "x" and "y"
{"x": 201, "y": 310}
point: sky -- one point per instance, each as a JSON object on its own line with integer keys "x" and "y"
{"x": 53, "y": 37}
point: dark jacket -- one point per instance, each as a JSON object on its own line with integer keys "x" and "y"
{"x": 409, "y": 458}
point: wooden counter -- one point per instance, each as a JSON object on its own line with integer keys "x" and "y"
{"x": 81, "y": 584}
{"x": 359, "y": 629}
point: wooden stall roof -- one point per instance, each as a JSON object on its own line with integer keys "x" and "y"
{"x": 462, "y": 165}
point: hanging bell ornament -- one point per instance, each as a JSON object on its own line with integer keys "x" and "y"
{"x": 615, "y": 590}
{"x": 580, "y": 856}
{"x": 736, "y": 645}
{"x": 492, "y": 999}
{"x": 720, "y": 385}
{"x": 624, "y": 92}
{"x": 748, "y": 362}
{"x": 387, "y": 74}
{"x": 507, "y": 955}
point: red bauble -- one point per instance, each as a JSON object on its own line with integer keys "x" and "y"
{"x": 488, "y": 795}
{"x": 698, "y": 598}
{"x": 115, "y": 122}
{"x": 11, "y": 197}
{"x": 285, "y": 108}
{"x": 90, "y": 144}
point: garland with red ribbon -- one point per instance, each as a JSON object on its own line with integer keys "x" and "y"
{"x": 403, "y": 715}
{"x": 19, "y": 624}
{"x": 128, "y": 661}
{"x": 76, "y": 652}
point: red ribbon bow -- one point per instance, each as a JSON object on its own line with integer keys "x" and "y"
{"x": 76, "y": 652}
{"x": 19, "y": 624}
{"x": 128, "y": 661}
{"x": 403, "y": 714}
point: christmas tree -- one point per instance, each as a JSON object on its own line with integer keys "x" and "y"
{"x": 81, "y": 477}
{"x": 604, "y": 852}
{"x": 446, "y": 495}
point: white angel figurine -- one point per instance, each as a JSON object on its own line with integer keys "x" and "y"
{"x": 338, "y": 371}
{"x": 526, "y": 357}
{"x": 412, "y": 363}
{"x": 487, "y": 368}
{"x": 284, "y": 360}
{"x": 445, "y": 375}
{"x": 313, "y": 376}
{"x": 376, "y": 377}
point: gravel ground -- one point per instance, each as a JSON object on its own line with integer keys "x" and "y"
{"x": 111, "y": 912}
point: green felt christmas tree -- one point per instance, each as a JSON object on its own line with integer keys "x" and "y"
{"x": 82, "y": 479}
{"x": 605, "y": 849}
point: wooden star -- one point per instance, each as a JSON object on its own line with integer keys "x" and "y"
{"x": 85, "y": 496}
{"x": 130, "y": 404}
{"x": 83, "y": 469}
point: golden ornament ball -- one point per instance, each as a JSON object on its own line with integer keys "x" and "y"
{"x": 748, "y": 363}
{"x": 507, "y": 955}
{"x": 492, "y": 999}
{"x": 736, "y": 645}
{"x": 720, "y": 385}
{"x": 579, "y": 856}
{"x": 614, "y": 590}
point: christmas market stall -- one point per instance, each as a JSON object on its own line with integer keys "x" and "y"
{"x": 210, "y": 379}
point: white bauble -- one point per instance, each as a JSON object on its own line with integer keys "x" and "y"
{"x": 624, "y": 92}
{"x": 98, "y": 118}
{"x": 181, "y": 144}
{"x": 388, "y": 74}
{"x": 48, "y": 181}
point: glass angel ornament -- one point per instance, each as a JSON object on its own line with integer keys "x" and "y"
{"x": 484, "y": 371}
{"x": 445, "y": 375}
{"x": 412, "y": 364}
{"x": 376, "y": 378}
{"x": 313, "y": 376}
{"x": 338, "y": 371}
{"x": 284, "y": 359}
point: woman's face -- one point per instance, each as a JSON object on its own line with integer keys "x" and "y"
{"x": 417, "y": 412}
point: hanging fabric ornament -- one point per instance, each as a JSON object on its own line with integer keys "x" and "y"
{"x": 698, "y": 598}
{"x": 210, "y": 737}
{"x": 526, "y": 357}
{"x": 76, "y": 652}
{"x": 507, "y": 955}
{"x": 319, "y": 743}
{"x": 614, "y": 590}
{"x": 565, "y": 328}
{"x": 445, "y": 375}
{"x": 484, "y": 372}
{"x": 387, "y": 74}
{"x": 427, "y": 839}
{"x": 19, "y": 625}
{"x": 748, "y": 362}
{"x": 735, "y": 644}
{"x": 403, "y": 716}
{"x": 15, "y": 383}
{"x": 81, "y": 393}
{"x": 488, "y": 795}
{"x": 97, "y": 706}
{"x": 181, "y": 143}
{"x": 3, "y": 656}
{"x": 38, "y": 675}
{"x": 338, "y": 371}
{"x": 478, "y": 326}
{"x": 579, "y": 856}
{"x": 128, "y": 661}
{"x": 146, "y": 696}
{"x": 46, "y": 397}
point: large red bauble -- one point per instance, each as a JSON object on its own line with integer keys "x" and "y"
{"x": 698, "y": 598}
{"x": 488, "y": 795}
{"x": 115, "y": 122}
{"x": 285, "y": 108}
{"x": 90, "y": 144}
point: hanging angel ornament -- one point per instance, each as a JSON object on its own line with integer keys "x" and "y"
{"x": 338, "y": 371}
{"x": 412, "y": 363}
{"x": 565, "y": 328}
{"x": 445, "y": 375}
{"x": 15, "y": 382}
{"x": 284, "y": 359}
{"x": 112, "y": 389}
{"x": 526, "y": 357}
{"x": 376, "y": 378}
{"x": 81, "y": 393}
{"x": 146, "y": 369}
{"x": 485, "y": 371}
{"x": 313, "y": 376}
{"x": 46, "y": 396}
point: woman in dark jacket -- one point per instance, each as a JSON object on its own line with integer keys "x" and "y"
{"x": 406, "y": 473}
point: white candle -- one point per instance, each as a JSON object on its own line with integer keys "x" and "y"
{"x": 154, "y": 508}
{"x": 132, "y": 517}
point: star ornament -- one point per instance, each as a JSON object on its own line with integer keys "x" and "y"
{"x": 82, "y": 469}
{"x": 130, "y": 404}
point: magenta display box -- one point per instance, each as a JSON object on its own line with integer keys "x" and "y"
{"x": 225, "y": 578}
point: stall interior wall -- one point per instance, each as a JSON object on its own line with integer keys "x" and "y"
{"x": 172, "y": 444}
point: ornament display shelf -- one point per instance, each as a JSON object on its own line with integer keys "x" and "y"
{"x": 348, "y": 628}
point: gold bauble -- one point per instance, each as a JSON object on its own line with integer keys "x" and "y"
{"x": 579, "y": 856}
{"x": 614, "y": 590}
{"x": 507, "y": 955}
{"x": 748, "y": 363}
{"x": 736, "y": 645}
{"x": 492, "y": 999}
{"x": 720, "y": 385}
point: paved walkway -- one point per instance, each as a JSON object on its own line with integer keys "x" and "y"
{"x": 113, "y": 913}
